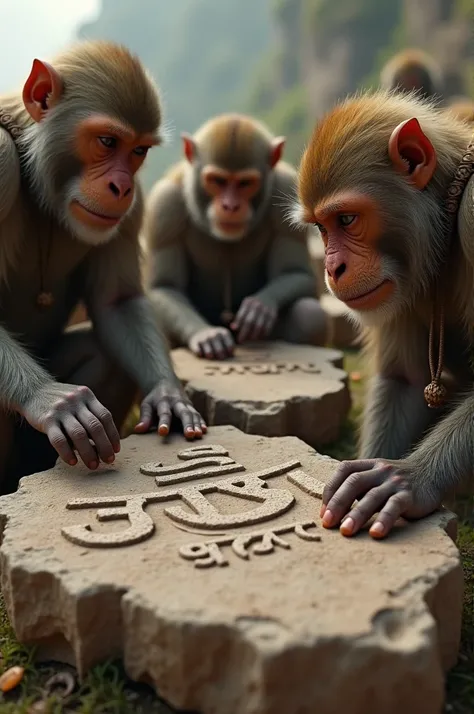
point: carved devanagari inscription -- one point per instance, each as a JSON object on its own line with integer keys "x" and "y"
{"x": 261, "y": 369}
{"x": 209, "y": 553}
{"x": 198, "y": 512}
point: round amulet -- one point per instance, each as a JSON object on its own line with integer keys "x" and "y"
{"x": 435, "y": 395}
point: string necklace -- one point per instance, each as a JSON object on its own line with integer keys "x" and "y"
{"x": 435, "y": 392}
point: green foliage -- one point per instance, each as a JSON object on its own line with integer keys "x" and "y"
{"x": 289, "y": 116}
{"x": 202, "y": 54}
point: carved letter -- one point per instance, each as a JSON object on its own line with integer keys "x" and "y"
{"x": 131, "y": 508}
{"x": 308, "y": 484}
{"x": 204, "y": 555}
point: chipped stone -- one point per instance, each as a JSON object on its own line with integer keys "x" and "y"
{"x": 270, "y": 614}
{"x": 342, "y": 330}
{"x": 272, "y": 389}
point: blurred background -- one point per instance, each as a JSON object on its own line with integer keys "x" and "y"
{"x": 285, "y": 61}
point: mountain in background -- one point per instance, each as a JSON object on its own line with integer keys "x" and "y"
{"x": 201, "y": 53}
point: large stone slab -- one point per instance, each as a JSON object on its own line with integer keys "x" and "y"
{"x": 271, "y": 388}
{"x": 207, "y": 569}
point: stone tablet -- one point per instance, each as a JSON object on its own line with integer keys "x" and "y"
{"x": 270, "y": 388}
{"x": 206, "y": 568}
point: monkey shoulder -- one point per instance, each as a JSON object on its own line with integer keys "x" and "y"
{"x": 10, "y": 173}
{"x": 166, "y": 212}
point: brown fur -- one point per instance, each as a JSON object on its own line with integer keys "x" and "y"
{"x": 462, "y": 108}
{"x": 104, "y": 274}
{"x": 349, "y": 151}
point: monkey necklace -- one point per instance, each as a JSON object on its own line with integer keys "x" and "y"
{"x": 435, "y": 392}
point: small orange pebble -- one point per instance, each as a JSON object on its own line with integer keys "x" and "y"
{"x": 356, "y": 376}
{"x": 11, "y": 678}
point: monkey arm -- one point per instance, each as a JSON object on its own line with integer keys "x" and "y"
{"x": 396, "y": 414}
{"x": 289, "y": 273}
{"x": 164, "y": 227}
{"x": 167, "y": 292}
{"x": 123, "y": 316}
{"x": 20, "y": 375}
{"x": 9, "y": 173}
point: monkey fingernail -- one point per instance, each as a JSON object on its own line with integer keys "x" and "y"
{"x": 93, "y": 465}
{"x": 163, "y": 430}
{"x": 347, "y": 526}
{"x": 328, "y": 519}
{"x": 377, "y": 530}
{"x": 72, "y": 462}
{"x": 110, "y": 460}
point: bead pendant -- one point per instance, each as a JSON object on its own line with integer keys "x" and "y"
{"x": 435, "y": 395}
{"x": 45, "y": 299}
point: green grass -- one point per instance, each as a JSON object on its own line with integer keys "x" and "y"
{"x": 106, "y": 690}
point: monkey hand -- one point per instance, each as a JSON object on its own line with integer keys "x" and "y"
{"x": 72, "y": 418}
{"x": 164, "y": 401}
{"x": 255, "y": 319}
{"x": 390, "y": 488}
{"x": 212, "y": 343}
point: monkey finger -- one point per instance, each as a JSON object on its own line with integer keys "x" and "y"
{"x": 184, "y": 412}
{"x": 337, "y": 479}
{"x": 97, "y": 433}
{"x": 355, "y": 486}
{"x": 206, "y": 349}
{"x": 146, "y": 418}
{"x": 228, "y": 343}
{"x": 197, "y": 423}
{"x": 165, "y": 415}
{"x": 395, "y": 507}
{"x": 80, "y": 440}
{"x": 268, "y": 325}
{"x": 247, "y": 326}
{"x": 107, "y": 421}
{"x": 258, "y": 328}
{"x": 241, "y": 316}
{"x": 218, "y": 347}
{"x": 59, "y": 442}
{"x": 368, "y": 506}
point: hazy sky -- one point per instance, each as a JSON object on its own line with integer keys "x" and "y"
{"x": 36, "y": 28}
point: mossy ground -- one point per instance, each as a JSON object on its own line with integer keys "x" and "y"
{"x": 107, "y": 691}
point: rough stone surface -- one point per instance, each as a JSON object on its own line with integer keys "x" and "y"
{"x": 342, "y": 330}
{"x": 231, "y": 597}
{"x": 272, "y": 389}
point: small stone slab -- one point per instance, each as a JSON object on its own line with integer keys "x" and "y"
{"x": 343, "y": 331}
{"x": 270, "y": 388}
{"x": 206, "y": 568}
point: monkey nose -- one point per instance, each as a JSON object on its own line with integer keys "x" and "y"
{"x": 120, "y": 189}
{"x": 335, "y": 268}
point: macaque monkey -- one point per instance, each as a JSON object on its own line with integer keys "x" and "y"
{"x": 374, "y": 180}
{"x": 222, "y": 262}
{"x": 462, "y": 108}
{"x": 411, "y": 70}
{"x": 71, "y": 144}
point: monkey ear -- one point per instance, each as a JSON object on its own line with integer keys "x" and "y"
{"x": 276, "y": 150}
{"x": 412, "y": 153}
{"x": 189, "y": 147}
{"x": 42, "y": 90}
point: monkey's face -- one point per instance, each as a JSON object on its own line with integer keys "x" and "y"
{"x": 98, "y": 199}
{"x": 230, "y": 197}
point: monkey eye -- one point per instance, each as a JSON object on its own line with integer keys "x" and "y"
{"x": 320, "y": 227}
{"x": 347, "y": 219}
{"x": 243, "y": 183}
{"x": 109, "y": 141}
{"x": 219, "y": 180}
{"x": 141, "y": 150}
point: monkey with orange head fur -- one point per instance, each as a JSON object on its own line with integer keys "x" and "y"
{"x": 223, "y": 264}
{"x": 375, "y": 180}
{"x": 71, "y": 146}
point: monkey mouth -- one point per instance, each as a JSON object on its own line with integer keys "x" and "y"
{"x": 229, "y": 227}
{"x": 372, "y": 298}
{"x": 86, "y": 215}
